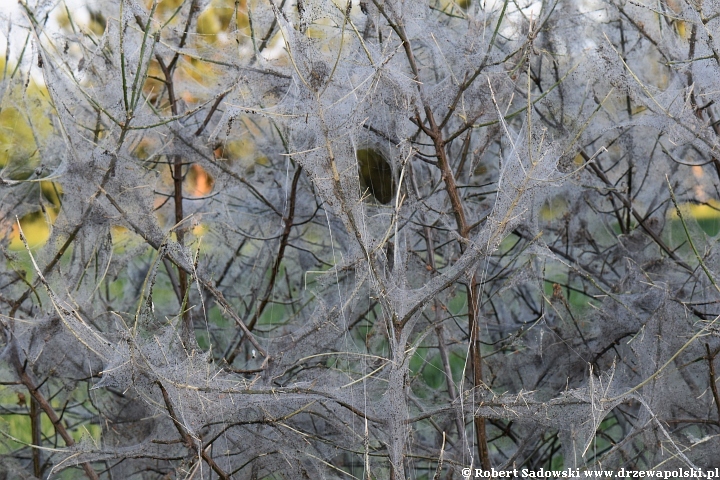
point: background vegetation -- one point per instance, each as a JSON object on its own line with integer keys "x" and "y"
{"x": 376, "y": 239}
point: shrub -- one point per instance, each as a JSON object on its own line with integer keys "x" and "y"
{"x": 384, "y": 239}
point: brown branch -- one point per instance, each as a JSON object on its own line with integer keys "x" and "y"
{"x": 288, "y": 222}
{"x": 476, "y": 356}
{"x": 51, "y": 265}
{"x": 36, "y": 432}
{"x": 713, "y": 384}
{"x": 210, "y": 114}
{"x": 271, "y": 30}
{"x": 49, "y": 411}
{"x": 187, "y": 438}
{"x": 434, "y": 131}
{"x": 187, "y": 334}
{"x": 193, "y": 10}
